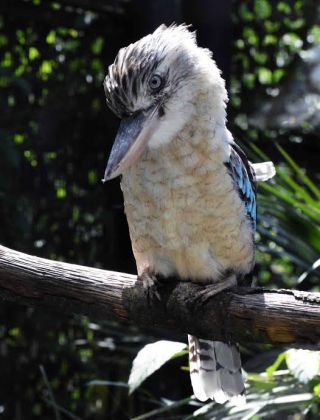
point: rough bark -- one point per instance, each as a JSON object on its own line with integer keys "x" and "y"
{"x": 239, "y": 314}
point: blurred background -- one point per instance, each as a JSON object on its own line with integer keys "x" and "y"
{"x": 55, "y": 136}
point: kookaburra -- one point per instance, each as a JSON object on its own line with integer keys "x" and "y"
{"x": 189, "y": 190}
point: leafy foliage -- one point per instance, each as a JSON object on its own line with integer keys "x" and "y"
{"x": 268, "y": 37}
{"x": 294, "y": 390}
{"x": 290, "y": 221}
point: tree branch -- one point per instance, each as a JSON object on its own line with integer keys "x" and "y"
{"x": 240, "y": 314}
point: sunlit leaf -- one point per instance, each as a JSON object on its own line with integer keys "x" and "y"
{"x": 262, "y": 9}
{"x": 275, "y": 366}
{"x": 304, "y": 178}
{"x": 304, "y": 275}
{"x": 33, "y": 53}
{"x": 100, "y": 382}
{"x": 150, "y": 359}
{"x": 303, "y": 364}
{"x": 51, "y": 37}
{"x": 264, "y": 75}
{"x": 97, "y": 45}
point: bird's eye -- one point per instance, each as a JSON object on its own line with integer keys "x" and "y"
{"x": 155, "y": 82}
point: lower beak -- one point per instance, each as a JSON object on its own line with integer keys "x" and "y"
{"x": 130, "y": 142}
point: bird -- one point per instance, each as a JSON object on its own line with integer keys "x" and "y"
{"x": 189, "y": 189}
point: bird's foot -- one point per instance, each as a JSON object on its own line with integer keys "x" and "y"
{"x": 150, "y": 283}
{"x": 213, "y": 289}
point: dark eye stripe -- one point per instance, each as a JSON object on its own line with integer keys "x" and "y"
{"x": 129, "y": 75}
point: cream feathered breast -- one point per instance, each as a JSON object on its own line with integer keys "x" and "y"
{"x": 184, "y": 214}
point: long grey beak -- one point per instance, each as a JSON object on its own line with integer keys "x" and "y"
{"x": 131, "y": 140}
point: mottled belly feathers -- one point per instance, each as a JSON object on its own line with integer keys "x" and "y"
{"x": 184, "y": 214}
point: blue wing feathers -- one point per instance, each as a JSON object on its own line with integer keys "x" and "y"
{"x": 242, "y": 174}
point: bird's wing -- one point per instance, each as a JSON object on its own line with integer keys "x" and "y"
{"x": 263, "y": 171}
{"x": 243, "y": 176}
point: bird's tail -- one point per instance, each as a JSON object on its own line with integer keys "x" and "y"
{"x": 215, "y": 371}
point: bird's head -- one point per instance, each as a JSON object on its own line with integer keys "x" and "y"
{"x": 153, "y": 87}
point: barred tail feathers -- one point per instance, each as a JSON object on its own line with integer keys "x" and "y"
{"x": 215, "y": 371}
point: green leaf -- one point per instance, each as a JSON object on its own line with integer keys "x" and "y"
{"x": 315, "y": 34}
{"x": 18, "y": 138}
{"x": 260, "y": 57}
{"x": 46, "y": 67}
{"x": 316, "y": 390}
{"x": 278, "y": 75}
{"x": 3, "y": 40}
{"x": 245, "y": 13}
{"x": 303, "y": 177}
{"x": 92, "y": 176}
{"x": 33, "y": 53}
{"x": 250, "y": 36}
{"x": 312, "y": 213}
{"x": 270, "y": 39}
{"x": 271, "y": 369}
{"x": 150, "y": 359}
{"x": 264, "y": 75}
{"x": 300, "y": 191}
{"x": 97, "y": 45}
{"x": 294, "y": 24}
{"x": 51, "y": 37}
{"x": 262, "y": 9}
{"x": 61, "y": 192}
{"x": 284, "y": 7}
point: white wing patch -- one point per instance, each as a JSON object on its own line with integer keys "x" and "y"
{"x": 263, "y": 171}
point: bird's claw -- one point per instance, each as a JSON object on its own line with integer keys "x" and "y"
{"x": 210, "y": 290}
{"x": 150, "y": 283}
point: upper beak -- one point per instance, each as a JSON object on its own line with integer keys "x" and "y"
{"x": 132, "y": 137}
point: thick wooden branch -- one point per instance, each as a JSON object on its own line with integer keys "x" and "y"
{"x": 240, "y": 314}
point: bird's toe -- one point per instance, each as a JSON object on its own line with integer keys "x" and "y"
{"x": 150, "y": 283}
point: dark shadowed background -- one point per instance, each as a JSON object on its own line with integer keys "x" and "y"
{"x": 55, "y": 136}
